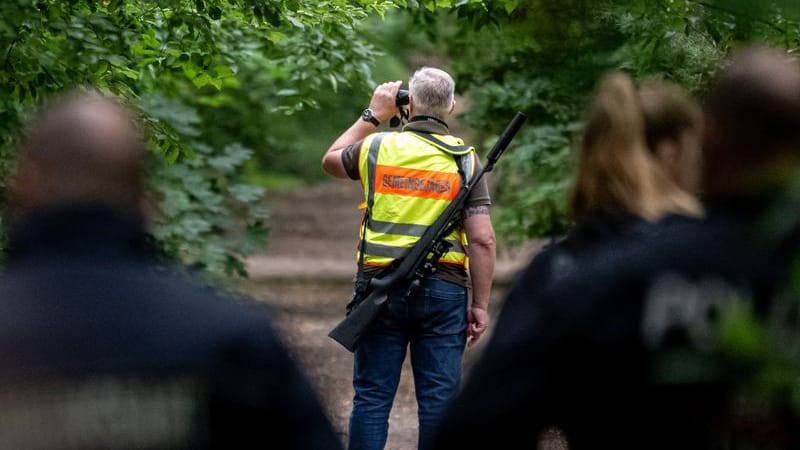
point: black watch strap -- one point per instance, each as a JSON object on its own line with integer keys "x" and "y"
{"x": 367, "y": 116}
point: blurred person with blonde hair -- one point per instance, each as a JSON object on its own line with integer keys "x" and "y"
{"x": 633, "y": 148}
{"x": 637, "y": 166}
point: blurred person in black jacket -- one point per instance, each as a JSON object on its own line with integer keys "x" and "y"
{"x": 638, "y": 165}
{"x": 623, "y": 352}
{"x": 100, "y": 348}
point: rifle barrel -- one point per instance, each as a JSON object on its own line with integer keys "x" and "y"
{"x": 508, "y": 134}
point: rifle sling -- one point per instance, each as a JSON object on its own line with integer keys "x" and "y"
{"x": 436, "y": 142}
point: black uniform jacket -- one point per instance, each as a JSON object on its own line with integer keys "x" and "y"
{"x": 560, "y": 258}
{"x": 101, "y": 348}
{"x": 624, "y": 351}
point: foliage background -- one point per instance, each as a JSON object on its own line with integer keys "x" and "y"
{"x": 213, "y": 81}
{"x": 543, "y": 57}
{"x": 239, "y": 95}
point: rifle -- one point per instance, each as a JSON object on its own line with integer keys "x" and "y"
{"x": 417, "y": 263}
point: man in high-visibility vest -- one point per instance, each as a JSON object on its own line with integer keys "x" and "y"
{"x": 408, "y": 179}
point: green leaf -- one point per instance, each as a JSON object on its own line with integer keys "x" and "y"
{"x": 117, "y": 60}
{"x": 190, "y": 70}
{"x": 510, "y": 5}
{"x": 150, "y": 41}
{"x": 334, "y": 82}
{"x": 233, "y": 156}
{"x": 223, "y": 71}
{"x": 129, "y": 73}
{"x": 276, "y": 36}
{"x": 102, "y": 68}
{"x": 246, "y": 193}
{"x": 172, "y": 154}
{"x": 297, "y": 23}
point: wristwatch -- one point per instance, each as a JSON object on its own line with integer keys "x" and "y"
{"x": 367, "y": 116}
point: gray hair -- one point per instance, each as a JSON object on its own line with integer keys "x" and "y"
{"x": 432, "y": 91}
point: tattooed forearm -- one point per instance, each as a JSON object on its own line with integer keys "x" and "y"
{"x": 477, "y": 210}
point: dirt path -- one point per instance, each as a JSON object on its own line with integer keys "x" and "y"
{"x": 305, "y": 276}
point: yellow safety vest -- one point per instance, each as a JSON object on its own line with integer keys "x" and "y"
{"x": 409, "y": 179}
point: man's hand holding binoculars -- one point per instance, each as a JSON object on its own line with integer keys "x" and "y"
{"x": 385, "y": 105}
{"x": 384, "y": 101}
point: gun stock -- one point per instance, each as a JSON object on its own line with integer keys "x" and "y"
{"x": 349, "y": 331}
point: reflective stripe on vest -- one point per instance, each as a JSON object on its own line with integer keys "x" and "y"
{"x": 409, "y": 181}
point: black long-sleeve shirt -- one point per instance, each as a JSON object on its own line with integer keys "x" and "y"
{"x": 102, "y": 349}
{"x": 623, "y": 352}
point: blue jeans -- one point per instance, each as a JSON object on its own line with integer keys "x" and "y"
{"x": 433, "y": 321}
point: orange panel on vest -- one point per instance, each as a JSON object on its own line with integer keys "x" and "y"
{"x": 416, "y": 183}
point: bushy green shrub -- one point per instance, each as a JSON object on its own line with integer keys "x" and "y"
{"x": 204, "y": 75}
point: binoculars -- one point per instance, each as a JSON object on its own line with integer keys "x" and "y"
{"x": 401, "y": 100}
